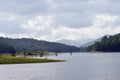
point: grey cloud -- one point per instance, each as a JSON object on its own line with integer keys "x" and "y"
{"x": 94, "y": 6}
{"x": 11, "y": 25}
{"x": 57, "y": 7}
{"x": 24, "y": 7}
{"x": 83, "y": 10}
{"x": 106, "y": 7}
{"x": 69, "y": 13}
{"x": 74, "y": 20}
{"x": 8, "y": 28}
{"x": 117, "y": 22}
{"x": 70, "y": 1}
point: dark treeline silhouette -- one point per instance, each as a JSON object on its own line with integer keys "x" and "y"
{"x": 107, "y": 44}
{"x": 5, "y": 48}
{"x": 32, "y": 45}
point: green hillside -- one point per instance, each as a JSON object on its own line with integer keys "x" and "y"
{"x": 25, "y": 44}
{"x": 107, "y": 44}
{"x": 5, "y": 48}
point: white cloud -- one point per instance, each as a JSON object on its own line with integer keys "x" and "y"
{"x": 104, "y": 20}
{"x": 1, "y": 34}
{"x": 59, "y": 19}
{"x": 39, "y": 23}
{"x": 41, "y": 27}
{"x": 103, "y": 25}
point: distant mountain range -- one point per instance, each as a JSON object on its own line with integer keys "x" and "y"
{"x": 92, "y": 42}
{"x": 69, "y": 42}
{"x": 79, "y": 43}
{"x": 26, "y": 44}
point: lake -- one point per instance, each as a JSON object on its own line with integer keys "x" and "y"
{"x": 78, "y": 66}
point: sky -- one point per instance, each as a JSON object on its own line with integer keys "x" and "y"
{"x": 53, "y": 20}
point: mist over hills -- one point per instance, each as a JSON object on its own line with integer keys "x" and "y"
{"x": 79, "y": 43}
{"x": 69, "y": 42}
{"x": 92, "y": 42}
{"x": 107, "y": 44}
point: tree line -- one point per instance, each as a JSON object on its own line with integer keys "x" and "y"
{"x": 32, "y": 45}
{"x": 107, "y": 44}
{"x": 5, "y": 48}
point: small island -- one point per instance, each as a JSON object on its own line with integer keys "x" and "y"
{"x": 8, "y": 59}
{"x": 27, "y": 57}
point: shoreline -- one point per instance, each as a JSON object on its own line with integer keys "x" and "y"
{"x": 22, "y": 60}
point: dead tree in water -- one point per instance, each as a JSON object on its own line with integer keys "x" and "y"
{"x": 30, "y": 54}
{"x": 70, "y": 50}
{"x": 25, "y": 54}
{"x": 41, "y": 54}
{"x": 36, "y": 54}
{"x": 70, "y": 53}
{"x": 56, "y": 54}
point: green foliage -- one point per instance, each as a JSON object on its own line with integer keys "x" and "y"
{"x": 31, "y": 45}
{"x": 17, "y": 60}
{"x": 5, "y": 48}
{"x": 107, "y": 44}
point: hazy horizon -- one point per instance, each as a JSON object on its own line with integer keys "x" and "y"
{"x": 53, "y": 20}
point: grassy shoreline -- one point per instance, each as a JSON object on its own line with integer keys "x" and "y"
{"x": 22, "y": 60}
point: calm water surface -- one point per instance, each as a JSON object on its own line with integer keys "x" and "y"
{"x": 79, "y": 66}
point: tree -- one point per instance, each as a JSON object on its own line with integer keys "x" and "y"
{"x": 111, "y": 44}
{"x": 5, "y": 48}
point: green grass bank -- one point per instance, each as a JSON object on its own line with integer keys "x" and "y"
{"x": 4, "y": 59}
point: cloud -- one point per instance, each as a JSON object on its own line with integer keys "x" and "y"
{"x": 10, "y": 24}
{"x": 59, "y": 19}
{"x": 23, "y": 7}
{"x": 40, "y": 25}
{"x": 104, "y": 20}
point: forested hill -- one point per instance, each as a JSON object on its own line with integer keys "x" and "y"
{"x": 5, "y": 48}
{"x": 25, "y": 44}
{"x": 107, "y": 44}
